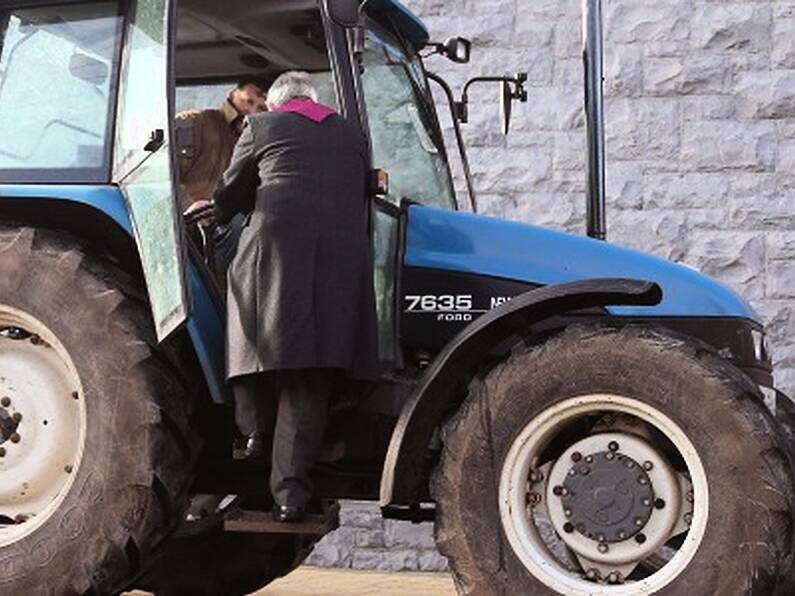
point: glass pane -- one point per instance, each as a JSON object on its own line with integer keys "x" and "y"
{"x": 205, "y": 97}
{"x": 146, "y": 178}
{"x": 144, "y": 105}
{"x": 384, "y": 281}
{"x": 57, "y": 84}
{"x": 402, "y": 119}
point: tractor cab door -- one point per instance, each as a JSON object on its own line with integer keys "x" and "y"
{"x": 144, "y": 160}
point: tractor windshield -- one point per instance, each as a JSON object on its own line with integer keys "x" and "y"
{"x": 404, "y": 129}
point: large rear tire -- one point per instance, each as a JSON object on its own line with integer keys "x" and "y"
{"x": 550, "y": 425}
{"x": 98, "y": 471}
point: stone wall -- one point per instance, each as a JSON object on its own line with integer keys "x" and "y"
{"x": 700, "y": 110}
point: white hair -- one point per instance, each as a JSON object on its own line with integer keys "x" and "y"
{"x": 293, "y": 84}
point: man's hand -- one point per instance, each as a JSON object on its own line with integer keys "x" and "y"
{"x": 199, "y": 211}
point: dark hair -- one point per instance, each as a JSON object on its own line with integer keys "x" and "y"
{"x": 258, "y": 83}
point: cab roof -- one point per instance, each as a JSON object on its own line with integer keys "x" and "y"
{"x": 409, "y": 24}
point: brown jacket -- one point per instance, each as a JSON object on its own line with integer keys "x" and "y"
{"x": 205, "y": 141}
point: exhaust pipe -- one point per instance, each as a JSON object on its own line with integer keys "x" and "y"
{"x": 594, "y": 117}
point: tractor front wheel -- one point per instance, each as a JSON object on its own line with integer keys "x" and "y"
{"x": 615, "y": 461}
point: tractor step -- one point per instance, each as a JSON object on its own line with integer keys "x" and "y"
{"x": 260, "y": 522}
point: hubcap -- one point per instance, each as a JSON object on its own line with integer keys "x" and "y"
{"x": 592, "y": 491}
{"x": 42, "y": 424}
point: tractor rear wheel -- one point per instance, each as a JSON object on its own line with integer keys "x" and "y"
{"x": 615, "y": 461}
{"x": 96, "y": 447}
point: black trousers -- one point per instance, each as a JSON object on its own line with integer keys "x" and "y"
{"x": 289, "y": 407}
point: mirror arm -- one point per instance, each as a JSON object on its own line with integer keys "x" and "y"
{"x": 459, "y": 137}
{"x": 519, "y": 92}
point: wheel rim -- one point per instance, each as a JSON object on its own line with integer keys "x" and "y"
{"x": 42, "y": 424}
{"x": 537, "y": 496}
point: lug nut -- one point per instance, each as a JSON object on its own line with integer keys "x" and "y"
{"x": 572, "y": 472}
{"x": 14, "y": 438}
{"x": 689, "y": 496}
{"x": 567, "y": 512}
{"x": 536, "y": 476}
{"x": 592, "y": 574}
{"x": 576, "y": 456}
{"x": 643, "y": 480}
{"x": 568, "y": 528}
{"x": 68, "y": 469}
{"x": 612, "y": 446}
{"x": 621, "y": 534}
{"x": 613, "y": 577}
{"x": 2, "y": 451}
{"x": 585, "y": 470}
{"x": 629, "y": 463}
{"x": 659, "y": 503}
{"x": 640, "y": 538}
{"x": 609, "y": 456}
{"x": 638, "y": 522}
{"x": 5, "y": 402}
{"x": 534, "y": 498}
{"x": 647, "y": 465}
{"x": 603, "y": 548}
{"x": 601, "y": 537}
{"x": 35, "y": 339}
{"x": 688, "y": 518}
{"x": 557, "y": 491}
{"x": 589, "y": 459}
{"x": 75, "y": 395}
{"x": 17, "y": 417}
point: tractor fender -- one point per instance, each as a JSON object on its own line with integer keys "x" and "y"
{"x": 437, "y": 390}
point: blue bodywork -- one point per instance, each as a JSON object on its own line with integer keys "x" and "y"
{"x": 454, "y": 241}
{"x": 206, "y": 327}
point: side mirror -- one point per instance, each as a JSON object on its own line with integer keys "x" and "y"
{"x": 88, "y": 69}
{"x": 343, "y": 12}
{"x": 506, "y": 103}
{"x": 457, "y": 49}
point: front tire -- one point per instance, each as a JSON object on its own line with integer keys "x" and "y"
{"x": 509, "y": 470}
{"x": 103, "y": 435}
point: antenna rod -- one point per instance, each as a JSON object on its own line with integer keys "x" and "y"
{"x": 594, "y": 116}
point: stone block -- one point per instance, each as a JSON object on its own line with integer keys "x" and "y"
{"x": 769, "y": 94}
{"x": 361, "y": 514}
{"x": 386, "y": 559}
{"x": 400, "y": 534}
{"x": 624, "y": 71}
{"x": 732, "y": 26}
{"x": 736, "y": 259}
{"x": 644, "y": 22}
{"x": 663, "y": 76}
{"x": 685, "y": 190}
{"x": 432, "y": 560}
{"x": 730, "y": 144}
{"x": 642, "y": 129}
{"x": 783, "y": 53}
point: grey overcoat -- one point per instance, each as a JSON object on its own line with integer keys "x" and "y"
{"x": 300, "y": 288}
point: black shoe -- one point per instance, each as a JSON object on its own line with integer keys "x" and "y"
{"x": 288, "y": 514}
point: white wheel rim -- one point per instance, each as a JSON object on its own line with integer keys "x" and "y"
{"x": 43, "y": 427}
{"x": 521, "y": 530}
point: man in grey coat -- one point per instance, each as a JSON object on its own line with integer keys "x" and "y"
{"x": 300, "y": 303}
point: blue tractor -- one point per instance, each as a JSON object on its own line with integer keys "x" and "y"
{"x": 575, "y": 417}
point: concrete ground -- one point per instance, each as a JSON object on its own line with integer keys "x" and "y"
{"x": 312, "y": 581}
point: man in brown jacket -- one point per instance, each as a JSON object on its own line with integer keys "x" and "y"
{"x": 205, "y": 141}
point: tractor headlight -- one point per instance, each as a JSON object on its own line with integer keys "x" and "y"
{"x": 761, "y": 350}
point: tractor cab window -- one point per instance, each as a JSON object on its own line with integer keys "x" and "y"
{"x": 57, "y": 84}
{"x": 406, "y": 139}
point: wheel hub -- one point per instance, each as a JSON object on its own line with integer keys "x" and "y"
{"x": 42, "y": 424}
{"x": 608, "y": 496}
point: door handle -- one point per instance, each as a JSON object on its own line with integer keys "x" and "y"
{"x": 156, "y": 139}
